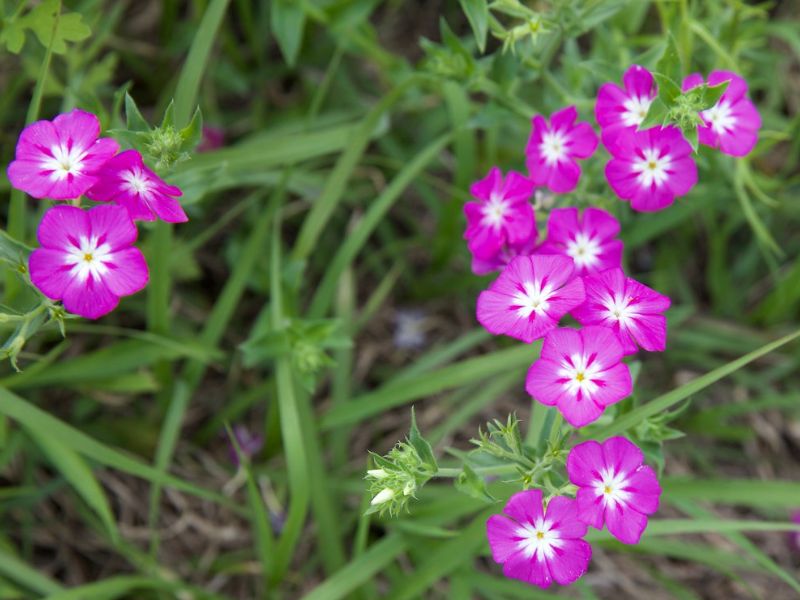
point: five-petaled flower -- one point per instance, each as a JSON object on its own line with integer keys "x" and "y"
{"x": 590, "y": 239}
{"x": 87, "y": 258}
{"x": 651, "y": 168}
{"x": 538, "y": 546}
{"x": 631, "y": 309}
{"x": 553, "y": 148}
{"x": 732, "y": 124}
{"x": 580, "y": 373}
{"x": 620, "y": 109}
{"x": 614, "y": 487}
{"x": 125, "y": 180}
{"x": 530, "y": 296}
{"x": 59, "y": 159}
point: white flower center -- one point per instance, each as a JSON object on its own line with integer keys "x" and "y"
{"x": 494, "y": 211}
{"x": 88, "y": 259}
{"x": 136, "y": 182}
{"x": 720, "y": 117}
{"x": 533, "y": 298}
{"x": 553, "y": 146}
{"x": 538, "y": 539}
{"x": 618, "y": 308}
{"x": 579, "y": 375}
{"x": 611, "y": 487}
{"x": 64, "y": 161}
{"x": 584, "y": 250}
{"x": 652, "y": 168}
{"x": 636, "y": 108}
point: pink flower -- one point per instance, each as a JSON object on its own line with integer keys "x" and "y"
{"x": 503, "y": 215}
{"x": 125, "y": 180}
{"x": 580, "y": 372}
{"x": 553, "y": 148}
{"x": 212, "y": 139}
{"x": 87, "y": 258}
{"x": 614, "y": 487}
{"x": 619, "y": 109}
{"x": 539, "y": 547}
{"x": 651, "y": 168}
{"x": 588, "y": 239}
{"x": 529, "y": 297}
{"x": 631, "y": 309}
{"x": 732, "y": 124}
{"x": 59, "y": 159}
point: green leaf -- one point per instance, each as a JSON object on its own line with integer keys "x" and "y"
{"x": 13, "y": 35}
{"x": 669, "y": 65}
{"x": 287, "y": 24}
{"x": 477, "y": 12}
{"x": 711, "y": 94}
{"x": 169, "y": 115}
{"x": 472, "y": 484}
{"x": 691, "y": 135}
{"x": 193, "y": 132}
{"x": 75, "y": 470}
{"x": 51, "y": 28}
{"x": 134, "y": 120}
{"x": 420, "y": 444}
{"x": 657, "y": 115}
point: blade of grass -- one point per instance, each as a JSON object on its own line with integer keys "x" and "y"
{"x": 18, "y": 571}
{"x": 745, "y": 492}
{"x": 460, "y": 374}
{"x": 355, "y": 241}
{"x": 639, "y": 414}
{"x": 326, "y": 204}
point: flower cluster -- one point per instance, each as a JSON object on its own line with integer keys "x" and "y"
{"x": 541, "y": 544}
{"x": 577, "y": 271}
{"x": 87, "y": 258}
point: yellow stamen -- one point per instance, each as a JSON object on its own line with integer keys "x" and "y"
{"x": 88, "y": 257}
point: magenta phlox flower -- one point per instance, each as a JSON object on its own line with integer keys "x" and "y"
{"x": 625, "y": 108}
{"x": 589, "y": 239}
{"x": 538, "y": 546}
{"x": 633, "y": 310}
{"x": 502, "y": 216}
{"x": 554, "y": 147}
{"x": 59, "y": 159}
{"x": 126, "y": 180}
{"x": 615, "y": 488}
{"x": 580, "y": 372}
{"x": 212, "y": 138}
{"x": 530, "y": 296}
{"x": 87, "y": 258}
{"x": 732, "y": 124}
{"x": 651, "y": 168}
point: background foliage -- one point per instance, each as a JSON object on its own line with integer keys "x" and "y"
{"x": 329, "y": 221}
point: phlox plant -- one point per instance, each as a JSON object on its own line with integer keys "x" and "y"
{"x": 570, "y": 291}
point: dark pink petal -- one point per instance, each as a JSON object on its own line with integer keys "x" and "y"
{"x": 564, "y": 118}
{"x": 520, "y": 224}
{"x": 737, "y": 86}
{"x": 525, "y": 507}
{"x": 90, "y": 299}
{"x": 683, "y": 176}
{"x": 568, "y": 297}
{"x": 599, "y": 223}
{"x": 625, "y": 524}
{"x": 585, "y": 462}
{"x": 582, "y": 141}
{"x": 564, "y": 176}
{"x": 644, "y": 489}
{"x": 28, "y": 176}
{"x": 113, "y": 225}
{"x": 562, "y": 224}
{"x": 562, "y": 512}
{"x": 579, "y": 411}
{"x": 543, "y": 382}
{"x": 529, "y": 570}
{"x": 61, "y": 227}
{"x": 609, "y": 106}
{"x": 49, "y": 272}
{"x": 503, "y": 537}
{"x": 621, "y": 455}
{"x": 591, "y": 509}
{"x": 649, "y": 332}
{"x": 556, "y": 270}
{"x": 617, "y": 385}
{"x": 691, "y": 81}
{"x": 602, "y": 344}
{"x": 622, "y": 178}
{"x": 570, "y": 561}
{"x": 560, "y": 343}
{"x": 517, "y": 187}
{"x": 652, "y": 199}
{"x": 485, "y": 242}
{"x": 483, "y": 189}
{"x": 77, "y": 126}
{"x": 639, "y": 82}
{"x": 127, "y": 272}
{"x": 99, "y": 153}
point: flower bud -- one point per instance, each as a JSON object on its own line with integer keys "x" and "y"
{"x": 377, "y": 473}
{"x": 383, "y": 496}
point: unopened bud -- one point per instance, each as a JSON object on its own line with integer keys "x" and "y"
{"x": 377, "y": 473}
{"x": 383, "y": 496}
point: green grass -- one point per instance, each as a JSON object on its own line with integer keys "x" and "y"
{"x": 336, "y": 202}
